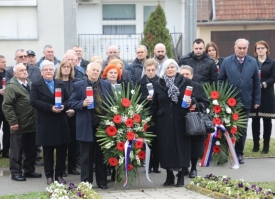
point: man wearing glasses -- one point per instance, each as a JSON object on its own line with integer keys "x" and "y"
{"x": 22, "y": 57}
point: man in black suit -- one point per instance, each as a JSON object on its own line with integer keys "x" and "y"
{"x": 79, "y": 52}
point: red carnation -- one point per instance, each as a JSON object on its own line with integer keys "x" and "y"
{"x": 130, "y": 167}
{"x": 113, "y": 161}
{"x": 130, "y": 135}
{"x": 125, "y": 102}
{"x": 216, "y": 149}
{"x": 219, "y": 135}
{"x": 137, "y": 118}
{"x": 145, "y": 127}
{"x": 233, "y": 130}
{"x": 117, "y": 119}
{"x": 217, "y": 109}
{"x": 120, "y": 146}
{"x": 215, "y": 95}
{"x": 129, "y": 122}
{"x": 233, "y": 140}
{"x": 139, "y": 144}
{"x": 217, "y": 120}
{"x": 111, "y": 131}
{"x": 231, "y": 101}
{"x": 141, "y": 155}
{"x": 235, "y": 116}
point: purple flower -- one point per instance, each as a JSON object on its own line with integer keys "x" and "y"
{"x": 253, "y": 186}
{"x": 240, "y": 185}
{"x": 79, "y": 194}
{"x": 71, "y": 186}
{"x": 246, "y": 188}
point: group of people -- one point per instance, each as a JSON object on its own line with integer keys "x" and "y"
{"x": 31, "y": 118}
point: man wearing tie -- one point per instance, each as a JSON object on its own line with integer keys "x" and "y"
{"x": 241, "y": 70}
{"x": 21, "y": 118}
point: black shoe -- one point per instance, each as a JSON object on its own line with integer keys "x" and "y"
{"x": 5, "y": 155}
{"x": 18, "y": 178}
{"x": 180, "y": 181}
{"x": 170, "y": 178}
{"x": 60, "y": 180}
{"x": 39, "y": 163}
{"x": 240, "y": 158}
{"x": 49, "y": 181}
{"x": 64, "y": 174}
{"x": 264, "y": 152}
{"x": 103, "y": 186}
{"x": 33, "y": 175}
{"x": 193, "y": 174}
{"x": 156, "y": 170}
{"x": 74, "y": 172}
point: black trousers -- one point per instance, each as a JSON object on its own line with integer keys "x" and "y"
{"x": 6, "y": 133}
{"x": 72, "y": 152}
{"x": 154, "y": 158}
{"x": 22, "y": 143}
{"x": 91, "y": 153}
{"x": 48, "y": 153}
{"x": 239, "y": 146}
{"x": 256, "y": 125}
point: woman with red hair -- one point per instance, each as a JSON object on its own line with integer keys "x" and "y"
{"x": 113, "y": 74}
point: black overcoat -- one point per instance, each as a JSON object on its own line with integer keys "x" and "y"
{"x": 267, "y": 107}
{"x": 51, "y": 128}
{"x": 174, "y": 146}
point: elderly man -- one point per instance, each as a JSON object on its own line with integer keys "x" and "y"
{"x": 136, "y": 67}
{"x": 5, "y": 127}
{"x": 87, "y": 121}
{"x": 21, "y": 117}
{"x": 81, "y": 62}
{"x": 22, "y": 57}
{"x": 160, "y": 55}
{"x": 205, "y": 69}
{"x": 31, "y": 58}
{"x": 241, "y": 70}
{"x": 49, "y": 55}
{"x": 71, "y": 57}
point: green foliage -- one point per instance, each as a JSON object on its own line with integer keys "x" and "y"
{"x": 30, "y": 195}
{"x": 156, "y": 32}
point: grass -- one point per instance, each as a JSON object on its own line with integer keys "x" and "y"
{"x": 249, "y": 145}
{"x": 30, "y": 195}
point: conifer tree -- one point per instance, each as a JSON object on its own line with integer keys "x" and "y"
{"x": 156, "y": 32}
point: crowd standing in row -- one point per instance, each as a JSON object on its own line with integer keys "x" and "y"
{"x": 70, "y": 129}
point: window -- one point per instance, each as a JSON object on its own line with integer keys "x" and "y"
{"x": 147, "y": 10}
{"x": 119, "y": 12}
{"x": 18, "y": 22}
{"x": 119, "y": 29}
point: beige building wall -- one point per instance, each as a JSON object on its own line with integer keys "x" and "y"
{"x": 204, "y": 32}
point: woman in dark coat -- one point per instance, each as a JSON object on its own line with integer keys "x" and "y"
{"x": 65, "y": 73}
{"x": 174, "y": 146}
{"x": 197, "y": 142}
{"x": 267, "y": 108}
{"x": 150, "y": 68}
{"x": 212, "y": 50}
{"x": 52, "y": 130}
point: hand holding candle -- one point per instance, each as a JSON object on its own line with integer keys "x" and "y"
{"x": 187, "y": 97}
{"x": 90, "y": 97}
{"x": 58, "y": 98}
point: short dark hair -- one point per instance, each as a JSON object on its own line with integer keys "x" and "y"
{"x": 1, "y": 56}
{"x": 198, "y": 41}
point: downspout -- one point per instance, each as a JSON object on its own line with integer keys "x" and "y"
{"x": 213, "y": 10}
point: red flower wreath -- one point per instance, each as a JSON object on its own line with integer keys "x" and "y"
{"x": 130, "y": 135}
{"x": 216, "y": 149}
{"x": 139, "y": 144}
{"x": 217, "y": 120}
{"x": 113, "y": 161}
{"x": 233, "y": 130}
{"x": 111, "y": 131}
{"x": 117, "y": 119}
{"x": 137, "y": 118}
{"x": 126, "y": 102}
{"x": 235, "y": 116}
{"x": 141, "y": 155}
{"x": 130, "y": 167}
{"x": 231, "y": 101}
{"x": 129, "y": 123}
{"x": 120, "y": 146}
{"x": 145, "y": 127}
{"x": 217, "y": 109}
{"x": 215, "y": 95}
{"x": 233, "y": 140}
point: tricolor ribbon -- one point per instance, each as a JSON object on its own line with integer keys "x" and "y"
{"x": 209, "y": 148}
{"x": 127, "y": 150}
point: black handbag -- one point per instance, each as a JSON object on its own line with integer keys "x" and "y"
{"x": 209, "y": 125}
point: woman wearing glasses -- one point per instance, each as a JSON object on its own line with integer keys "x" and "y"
{"x": 266, "y": 111}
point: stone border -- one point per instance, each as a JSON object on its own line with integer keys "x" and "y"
{"x": 207, "y": 192}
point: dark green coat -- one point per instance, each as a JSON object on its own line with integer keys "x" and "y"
{"x": 17, "y": 108}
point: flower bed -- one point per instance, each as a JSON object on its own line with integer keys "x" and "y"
{"x": 72, "y": 191}
{"x": 232, "y": 188}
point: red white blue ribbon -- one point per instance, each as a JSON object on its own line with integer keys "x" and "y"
{"x": 209, "y": 148}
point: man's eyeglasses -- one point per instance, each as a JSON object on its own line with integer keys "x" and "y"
{"x": 260, "y": 48}
{"x": 23, "y": 56}
{"x": 65, "y": 67}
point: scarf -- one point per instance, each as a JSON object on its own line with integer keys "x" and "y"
{"x": 173, "y": 91}
{"x": 50, "y": 84}
{"x": 151, "y": 80}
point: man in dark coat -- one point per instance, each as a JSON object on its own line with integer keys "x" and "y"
{"x": 49, "y": 55}
{"x": 21, "y": 117}
{"x": 87, "y": 121}
{"x": 205, "y": 69}
{"x": 81, "y": 62}
{"x": 241, "y": 70}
